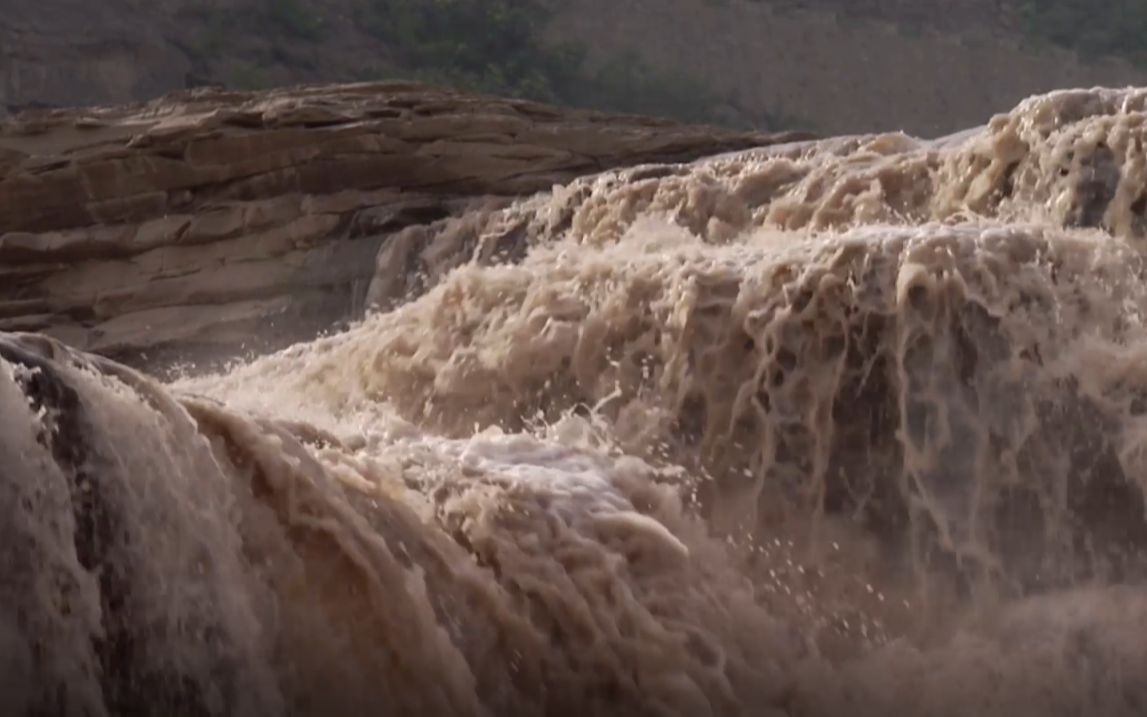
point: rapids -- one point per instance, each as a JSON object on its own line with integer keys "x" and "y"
{"x": 852, "y": 427}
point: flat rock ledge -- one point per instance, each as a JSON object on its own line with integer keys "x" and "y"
{"x": 184, "y": 227}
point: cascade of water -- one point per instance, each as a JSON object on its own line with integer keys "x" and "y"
{"x": 855, "y": 427}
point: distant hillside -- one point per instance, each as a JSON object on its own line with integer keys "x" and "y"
{"x": 59, "y": 52}
{"x": 827, "y": 65}
{"x": 1112, "y": 28}
{"x": 839, "y": 72}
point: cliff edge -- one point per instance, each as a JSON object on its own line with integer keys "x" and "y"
{"x": 193, "y": 224}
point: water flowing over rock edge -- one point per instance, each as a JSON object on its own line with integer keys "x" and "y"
{"x": 842, "y": 428}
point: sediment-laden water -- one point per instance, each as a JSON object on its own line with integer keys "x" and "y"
{"x": 856, "y": 427}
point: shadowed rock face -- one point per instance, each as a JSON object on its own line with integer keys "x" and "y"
{"x": 182, "y": 225}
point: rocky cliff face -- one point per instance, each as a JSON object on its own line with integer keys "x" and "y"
{"x": 194, "y": 224}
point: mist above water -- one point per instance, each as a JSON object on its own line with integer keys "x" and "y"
{"x": 853, "y": 427}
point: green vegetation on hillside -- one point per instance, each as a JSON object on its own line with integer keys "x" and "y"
{"x": 1093, "y": 28}
{"x": 487, "y": 46}
{"x": 492, "y": 46}
{"x": 505, "y": 47}
{"x": 496, "y": 46}
{"x": 294, "y": 17}
{"x": 1112, "y": 27}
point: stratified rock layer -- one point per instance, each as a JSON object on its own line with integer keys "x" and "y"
{"x": 195, "y": 223}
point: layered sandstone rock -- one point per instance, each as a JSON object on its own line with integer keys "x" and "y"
{"x": 211, "y": 222}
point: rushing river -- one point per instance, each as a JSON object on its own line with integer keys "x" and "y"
{"x": 856, "y": 427}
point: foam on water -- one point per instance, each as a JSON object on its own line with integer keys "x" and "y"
{"x": 854, "y": 427}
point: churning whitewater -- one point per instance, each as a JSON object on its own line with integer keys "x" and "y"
{"x": 854, "y": 427}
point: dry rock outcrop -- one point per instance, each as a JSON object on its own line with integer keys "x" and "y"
{"x": 193, "y": 224}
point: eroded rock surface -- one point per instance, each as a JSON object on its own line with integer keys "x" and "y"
{"x": 208, "y": 223}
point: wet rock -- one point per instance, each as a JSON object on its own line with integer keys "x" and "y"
{"x": 231, "y": 221}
